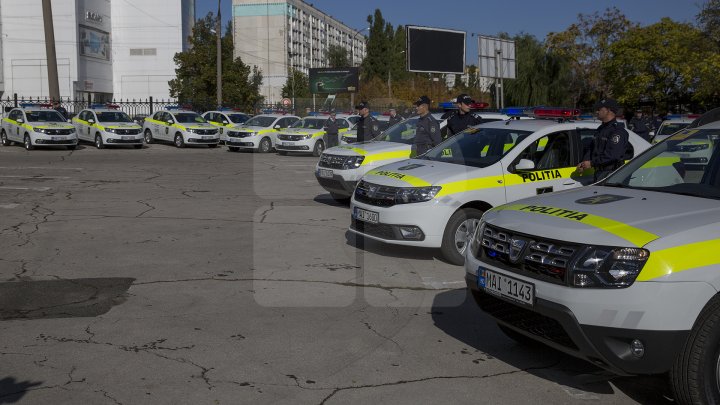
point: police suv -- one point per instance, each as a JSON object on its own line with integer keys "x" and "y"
{"x": 33, "y": 125}
{"x": 106, "y": 127}
{"x": 340, "y": 168}
{"x": 436, "y": 200}
{"x": 225, "y": 120}
{"x": 307, "y": 135}
{"x": 624, "y": 273}
{"x": 182, "y": 127}
{"x": 672, "y": 124}
{"x": 259, "y": 133}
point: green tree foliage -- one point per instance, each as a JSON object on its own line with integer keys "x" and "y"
{"x": 668, "y": 61}
{"x": 297, "y": 85}
{"x": 709, "y": 20}
{"x": 338, "y": 56}
{"x": 196, "y": 77}
{"x": 379, "y": 48}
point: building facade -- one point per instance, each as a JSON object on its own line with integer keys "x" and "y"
{"x": 120, "y": 49}
{"x": 276, "y": 35}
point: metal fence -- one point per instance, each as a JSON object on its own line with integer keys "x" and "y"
{"x": 132, "y": 108}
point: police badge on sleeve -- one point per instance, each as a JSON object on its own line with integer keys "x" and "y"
{"x": 615, "y": 139}
{"x": 432, "y": 130}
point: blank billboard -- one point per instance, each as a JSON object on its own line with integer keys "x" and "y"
{"x": 435, "y": 50}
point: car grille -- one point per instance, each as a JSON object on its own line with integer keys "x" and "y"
{"x": 530, "y": 256}
{"x": 374, "y": 194}
{"x": 58, "y": 131}
{"x": 525, "y": 319}
{"x": 382, "y": 231}
{"x": 329, "y": 183}
{"x": 126, "y": 141}
{"x": 332, "y": 161}
{"x": 61, "y": 142}
{"x": 128, "y": 131}
{"x": 205, "y": 131}
{"x": 237, "y": 134}
{"x": 285, "y": 137}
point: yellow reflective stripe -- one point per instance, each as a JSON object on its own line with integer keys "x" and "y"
{"x": 680, "y": 258}
{"x": 470, "y": 184}
{"x": 318, "y": 134}
{"x": 178, "y": 126}
{"x": 401, "y": 154}
{"x": 636, "y": 236}
{"x": 539, "y": 175}
{"x": 356, "y": 150}
{"x": 414, "y": 181}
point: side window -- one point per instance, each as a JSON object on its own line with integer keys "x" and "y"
{"x": 222, "y": 118}
{"x": 158, "y": 116}
{"x": 549, "y": 152}
{"x": 14, "y": 115}
{"x": 291, "y": 121}
{"x": 210, "y": 117}
{"x": 343, "y": 124}
{"x": 586, "y": 140}
{"x": 284, "y": 122}
{"x": 167, "y": 117}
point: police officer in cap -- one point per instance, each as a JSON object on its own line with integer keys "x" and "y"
{"x": 367, "y": 125}
{"x": 332, "y": 131}
{"x": 427, "y": 132}
{"x": 462, "y": 119}
{"x": 394, "y": 117}
{"x": 610, "y": 143}
{"x": 641, "y": 125}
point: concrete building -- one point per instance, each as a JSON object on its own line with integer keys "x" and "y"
{"x": 279, "y": 34}
{"x": 109, "y": 50}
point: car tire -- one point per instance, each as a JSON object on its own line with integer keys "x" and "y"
{"x": 148, "y": 137}
{"x": 4, "y": 139}
{"x": 99, "y": 142}
{"x": 340, "y": 198}
{"x": 265, "y": 145}
{"x": 233, "y": 149}
{"x": 695, "y": 375}
{"x": 179, "y": 141}
{"x": 318, "y": 148}
{"x": 282, "y": 153}
{"x": 28, "y": 143}
{"x": 460, "y": 226}
{"x": 137, "y": 146}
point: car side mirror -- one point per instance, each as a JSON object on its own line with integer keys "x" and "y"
{"x": 20, "y": 120}
{"x": 91, "y": 121}
{"x": 225, "y": 122}
{"x": 524, "y": 165}
{"x": 170, "y": 122}
{"x": 277, "y": 126}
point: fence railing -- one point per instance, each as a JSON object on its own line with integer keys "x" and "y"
{"x": 131, "y": 107}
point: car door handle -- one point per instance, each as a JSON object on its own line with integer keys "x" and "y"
{"x": 569, "y": 183}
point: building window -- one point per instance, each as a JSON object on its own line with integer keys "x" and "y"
{"x": 143, "y": 51}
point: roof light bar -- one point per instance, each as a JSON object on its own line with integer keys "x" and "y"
{"x": 555, "y": 112}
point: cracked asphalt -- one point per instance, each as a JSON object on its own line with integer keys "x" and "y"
{"x": 200, "y": 276}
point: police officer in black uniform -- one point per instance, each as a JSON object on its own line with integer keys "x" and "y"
{"x": 332, "y": 131}
{"x": 461, "y": 119}
{"x": 367, "y": 125}
{"x": 394, "y": 117}
{"x": 427, "y": 132}
{"x": 609, "y": 146}
{"x": 641, "y": 125}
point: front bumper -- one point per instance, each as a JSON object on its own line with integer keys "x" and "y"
{"x": 53, "y": 140}
{"x": 304, "y": 146}
{"x": 342, "y": 182}
{"x": 202, "y": 139}
{"x": 115, "y": 139}
{"x": 248, "y": 142}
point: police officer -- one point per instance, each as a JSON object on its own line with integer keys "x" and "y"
{"x": 641, "y": 125}
{"x": 332, "y": 130}
{"x": 394, "y": 117}
{"x": 461, "y": 118}
{"x": 610, "y": 143}
{"x": 59, "y": 108}
{"x": 367, "y": 125}
{"x": 427, "y": 132}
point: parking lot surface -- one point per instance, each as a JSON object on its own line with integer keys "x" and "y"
{"x": 201, "y": 276}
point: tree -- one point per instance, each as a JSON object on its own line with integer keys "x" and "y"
{"x": 709, "y": 20}
{"x": 338, "y": 56}
{"x": 379, "y": 47}
{"x": 297, "y": 85}
{"x": 196, "y": 79}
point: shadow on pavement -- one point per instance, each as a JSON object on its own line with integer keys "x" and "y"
{"x": 12, "y": 391}
{"x": 456, "y": 313}
{"x": 387, "y": 250}
{"x": 328, "y": 200}
{"x": 45, "y": 299}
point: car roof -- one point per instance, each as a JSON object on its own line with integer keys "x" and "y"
{"x": 678, "y": 121}
{"x": 225, "y": 112}
{"x": 178, "y": 111}
{"x": 276, "y": 116}
{"x": 102, "y": 110}
{"x": 537, "y": 124}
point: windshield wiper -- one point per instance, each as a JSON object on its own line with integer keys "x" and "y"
{"x": 617, "y": 185}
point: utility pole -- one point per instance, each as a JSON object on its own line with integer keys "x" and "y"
{"x": 50, "y": 51}
{"x": 218, "y": 62}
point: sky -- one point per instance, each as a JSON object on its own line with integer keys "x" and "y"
{"x": 487, "y": 17}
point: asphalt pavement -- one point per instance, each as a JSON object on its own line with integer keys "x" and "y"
{"x": 202, "y": 276}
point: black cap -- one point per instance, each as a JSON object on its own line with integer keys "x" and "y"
{"x": 465, "y": 99}
{"x": 608, "y": 103}
{"x": 363, "y": 104}
{"x": 422, "y": 100}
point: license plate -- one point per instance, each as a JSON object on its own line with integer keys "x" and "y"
{"x": 506, "y": 287}
{"x": 288, "y": 143}
{"x": 58, "y": 138}
{"x": 207, "y": 137}
{"x": 127, "y": 138}
{"x": 366, "y": 216}
{"x": 328, "y": 174}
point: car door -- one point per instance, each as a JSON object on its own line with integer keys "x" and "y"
{"x": 546, "y": 165}
{"x": 155, "y": 124}
{"x": 167, "y": 120}
{"x": 86, "y": 126}
{"x": 583, "y": 141}
{"x": 13, "y": 130}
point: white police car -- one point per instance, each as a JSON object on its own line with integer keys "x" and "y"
{"x": 225, "y": 120}
{"x": 350, "y": 136}
{"x": 671, "y": 125}
{"x": 34, "y": 125}
{"x": 436, "y": 200}
{"x": 107, "y": 127}
{"x": 307, "y": 135}
{"x": 259, "y": 133}
{"x": 182, "y": 127}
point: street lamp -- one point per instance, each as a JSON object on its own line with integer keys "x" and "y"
{"x": 218, "y": 61}
{"x": 352, "y": 45}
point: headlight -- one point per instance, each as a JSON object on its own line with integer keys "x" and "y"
{"x": 407, "y": 195}
{"x": 353, "y": 162}
{"x": 111, "y": 130}
{"x": 601, "y": 267}
{"x": 40, "y": 130}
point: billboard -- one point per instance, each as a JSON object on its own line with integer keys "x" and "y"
{"x": 496, "y": 57}
{"x": 434, "y": 50}
{"x": 94, "y": 43}
{"x": 333, "y": 80}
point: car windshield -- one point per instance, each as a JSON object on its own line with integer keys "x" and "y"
{"x": 189, "y": 118}
{"x": 477, "y": 146}
{"x": 671, "y": 128}
{"x": 310, "y": 123}
{"x": 238, "y": 118}
{"x": 402, "y": 132}
{"x": 260, "y": 121}
{"x": 44, "y": 116}
{"x": 113, "y": 116}
{"x": 686, "y": 163}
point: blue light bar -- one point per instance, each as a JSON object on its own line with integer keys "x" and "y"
{"x": 29, "y": 105}
{"x": 587, "y": 116}
{"x": 515, "y": 111}
{"x": 448, "y": 105}
{"x": 95, "y": 106}
{"x": 172, "y": 107}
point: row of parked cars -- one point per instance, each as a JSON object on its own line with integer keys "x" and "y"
{"x": 624, "y": 273}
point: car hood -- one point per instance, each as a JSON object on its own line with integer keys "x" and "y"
{"x": 253, "y": 128}
{"x": 51, "y": 125}
{"x": 608, "y": 216}
{"x": 421, "y": 172}
{"x": 368, "y": 148}
{"x": 120, "y": 125}
{"x": 300, "y": 131}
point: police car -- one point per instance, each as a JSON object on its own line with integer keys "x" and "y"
{"x": 33, "y": 125}
{"x": 671, "y": 125}
{"x": 182, "y": 127}
{"x": 259, "y": 132}
{"x": 436, "y": 200}
{"x": 352, "y": 118}
{"x": 340, "y": 168}
{"x": 350, "y": 136}
{"x": 624, "y": 273}
{"x": 307, "y": 135}
{"x": 225, "y": 120}
{"x": 107, "y": 127}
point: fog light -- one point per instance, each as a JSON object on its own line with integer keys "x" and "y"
{"x": 411, "y": 232}
{"x": 306, "y": 147}
{"x": 637, "y": 348}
